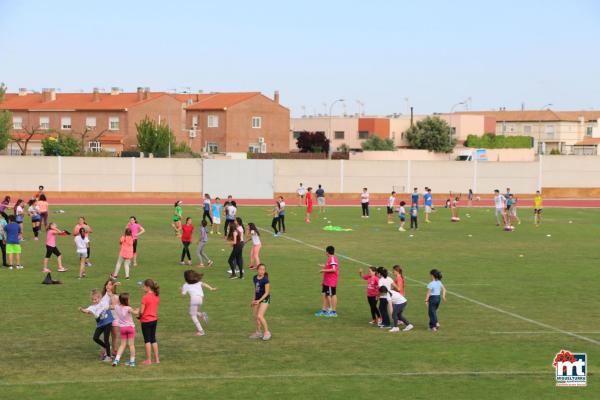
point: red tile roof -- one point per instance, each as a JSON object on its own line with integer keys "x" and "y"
{"x": 536, "y": 116}
{"x": 75, "y": 101}
{"x": 588, "y": 141}
{"x": 221, "y": 101}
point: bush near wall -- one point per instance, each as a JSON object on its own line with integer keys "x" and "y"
{"x": 492, "y": 141}
{"x": 297, "y": 156}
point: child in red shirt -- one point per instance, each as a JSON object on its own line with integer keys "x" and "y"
{"x": 186, "y": 238}
{"x": 309, "y": 204}
{"x": 149, "y": 319}
{"x": 398, "y": 284}
{"x": 372, "y": 293}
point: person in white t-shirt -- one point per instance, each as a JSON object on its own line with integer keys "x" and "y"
{"x": 81, "y": 246}
{"x": 194, "y": 287}
{"x": 398, "y": 304}
{"x": 384, "y": 302}
{"x": 500, "y": 205}
{"x": 301, "y": 192}
{"x": 364, "y": 203}
{"x": 390, "y": 208}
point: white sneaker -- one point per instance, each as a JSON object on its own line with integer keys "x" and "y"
{"x": 408, "y": 328}
{"x": 267, "y": 336}
{"x": 394, "y": 329}
{"x": 19, "y": 267}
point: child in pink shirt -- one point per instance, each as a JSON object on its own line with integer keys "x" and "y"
{"x": 124, "y": 316}
{"x": 398, "y": 284}
{"x": 51, "y": 248}
{"x": 125, "y": 254}
{"x": 372, "y": 293}
{"x": 137, "y": 230}
{"x": 330, "y": 273}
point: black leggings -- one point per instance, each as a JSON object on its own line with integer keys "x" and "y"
{"x": 274, "y": 224}
{"x": 413, "y": 222}
{"x": 373, "y": 304}
{"x": 186, "y": 251}
{"x": 225, "y": 225}
{"x": 205, "y": 215}
{"x": 52, "y": 250}
{"x": 365, "y": 209}
{"x": 282, "y": 223}
{"x": 3, "y": 247}
{"x": 236, "y": 258}
{"x": 383, "y": 310}
{"x": 105, "y": 332}
{"x": 397, "y": 310}
{"x": 149, "y": 331}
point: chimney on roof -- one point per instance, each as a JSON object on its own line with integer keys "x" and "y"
{"x": 276, "y": 97}
{"x": 146, "y": 93}
{"x": 140, "y": 93}
{"x": 115, "y": 91}
{"x": 96, "y": 95}
{"x": 48, "y": 94}
{"x": 22, "y": 91}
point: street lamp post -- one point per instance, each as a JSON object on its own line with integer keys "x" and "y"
{"x": 539, "y": 147}
{"x": 330, "y": 150}
{"x": 450, "y": 119}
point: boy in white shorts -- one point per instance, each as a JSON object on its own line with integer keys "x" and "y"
{"x": 500, "y": 204}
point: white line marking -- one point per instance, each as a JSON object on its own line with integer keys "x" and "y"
{"x": 273, "y": 376}
{"x": 460, "y": 296}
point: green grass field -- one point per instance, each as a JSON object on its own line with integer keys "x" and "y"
{"x": 483, "y": 351}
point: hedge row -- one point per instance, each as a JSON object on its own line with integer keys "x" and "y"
{"x": 491, "y": 141}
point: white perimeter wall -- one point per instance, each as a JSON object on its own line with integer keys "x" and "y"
{"x": 262, "y": 178}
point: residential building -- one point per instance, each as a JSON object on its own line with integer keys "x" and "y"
{"x": 105, "y": 121}
{"x": 236, "y": 122}
{"x": 568, "y": 132}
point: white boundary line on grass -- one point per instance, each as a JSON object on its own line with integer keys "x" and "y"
{"x": 460, "y": 296}
{"x": 274, "y": 376}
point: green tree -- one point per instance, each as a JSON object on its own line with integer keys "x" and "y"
{"x": 376, "y": 143}
{"x": 154, "y": 138}
{"x": 431, "y": 133}
{"x": 63, "y": 145}
{"x": 5, "y": 121}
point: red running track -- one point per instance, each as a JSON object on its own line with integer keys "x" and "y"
{"x": 572, "y": 203}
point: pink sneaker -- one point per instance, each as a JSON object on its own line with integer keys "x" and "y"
{"x": 200, "y": 333}
{"x": 46, "y": 270}
{"x": 61, "y": 269}
{"x": 147, "y": 362}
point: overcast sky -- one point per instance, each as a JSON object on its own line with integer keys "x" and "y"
{"x": 386, "y": 54}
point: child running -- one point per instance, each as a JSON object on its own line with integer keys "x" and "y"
{"x": 124, "y": 316}
{"x": 125, "y": 253}
{"x": 436, "y": 292}
{"x": 309, "y": 204}
{"x": 51, "y": 247}
{"x": 187, "y": 231}
{"x": 330, "y": 271}
{"x": 104, "y": 319}
{"x": 137, "y": 230}
{"x": 202, "y": 244}
{"x": 81, "y": 247}
{"x": 149, "y": 319}
{"x": 402, "y": 216}
{"x": 260, "y": 302}
{"x": 256, "y": 245}
{"x": 216, "y": 215}
{"x": 177, "y": 216}
{"x": 398, "y": 305}
{"x": 384, "y": 301}
{"x": 194, "y": 287}
{"x": 537, "y": 208}
{"x": 206, "y": 208}
{"x": 372, "y": 293}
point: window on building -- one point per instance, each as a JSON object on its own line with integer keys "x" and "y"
{"x": 45, "y": 123}
{"x": 65, "y": 123}
{"x": 95, "y": 146}
{"x": 17, "y": 122}
{"x": 363, "y": 135}
{"x": 212, "y": 121}
{"x": 256, "y": 122}
{"x": 113, "y": 123}
{"x": 527, "y": 129}
{"x": 588, "y": 130}
{"x": 338, "y": 134}
{"x": 195, "y": 121}
{"x": 212, "y": 148}
{"x": 254, "y": 148}
{"x": 90, "y": 123}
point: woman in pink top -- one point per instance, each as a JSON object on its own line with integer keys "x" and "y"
{"x": 124, "y": 316}
{"x": 136, "y": 231}
{"x": 81, "y": 223}
{"x": 125, "y": 254}
{"x": 372, "y": 293}
{"x": 51, "y": 248}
